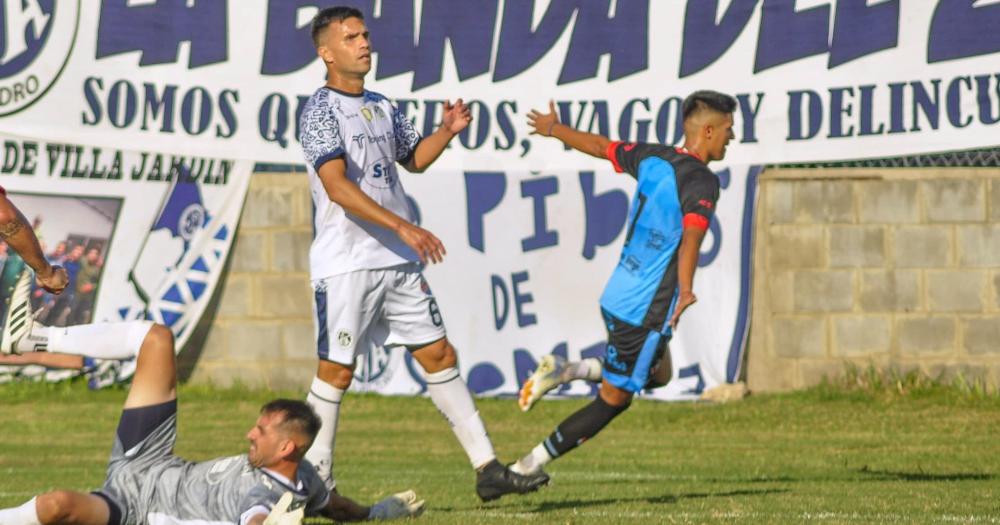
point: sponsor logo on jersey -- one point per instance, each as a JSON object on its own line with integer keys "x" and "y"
{"x": 380, "y": 174}
{"x": 656, "y": 240}
{"x": 631, "y": 263}
{"x": 36, "y": 38}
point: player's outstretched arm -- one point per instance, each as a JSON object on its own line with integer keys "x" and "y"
{"x": 456, "y": 118}
{"x": 401, "y": 505}
{"x": 356, "y": 202}
{"x": 548, "y": 125}
{"x": 687, "y": 262}
{"x": 15, "y": 230}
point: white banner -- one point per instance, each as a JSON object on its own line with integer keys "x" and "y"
{"x": 142, "y": 235}
{"x": 537, "y": 230}
{"x": 816, "y": 80}
{"x": 528, "y": 257}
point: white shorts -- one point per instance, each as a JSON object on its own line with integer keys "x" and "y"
{"x": 357, "y": 311}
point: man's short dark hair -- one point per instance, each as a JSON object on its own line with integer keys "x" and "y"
{"x": 707, "y": 100}
{"x": 298, "y": 416}
{"x": 332, "y": 14}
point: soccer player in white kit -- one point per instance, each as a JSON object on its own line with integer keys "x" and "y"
{"x": 365, "y": 260}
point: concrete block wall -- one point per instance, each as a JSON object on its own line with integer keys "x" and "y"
{"x": 261, "y": 333}
{"x": 891, "y": 267}
{"x": 887, "y": 267}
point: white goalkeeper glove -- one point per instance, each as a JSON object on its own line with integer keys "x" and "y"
{"x": 280, "y": 514}
{"x": 401, "y": 505}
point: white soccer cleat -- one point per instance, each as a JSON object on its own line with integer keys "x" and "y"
{"x": 19, "y": 321}
{"x": 547, "y": 376}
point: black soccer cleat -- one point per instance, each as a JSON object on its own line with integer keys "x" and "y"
{"x": 496, "y": 480}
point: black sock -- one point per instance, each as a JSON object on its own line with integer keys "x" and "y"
{"x": 581, "y": 426}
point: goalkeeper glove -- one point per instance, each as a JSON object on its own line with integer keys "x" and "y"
{"x": 401, "y": 505}
{"x": 280, "y": 514}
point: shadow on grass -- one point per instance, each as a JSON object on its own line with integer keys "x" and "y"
{"x": 656, "y": 500}
{"x": 890, "y": 475}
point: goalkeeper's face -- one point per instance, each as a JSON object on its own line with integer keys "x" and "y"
{"x": 269, "y": 442}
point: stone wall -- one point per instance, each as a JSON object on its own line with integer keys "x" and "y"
{"x": 886, "y": 267}
{"x": 891, "y": 267}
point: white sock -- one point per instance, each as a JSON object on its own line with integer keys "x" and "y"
{"x": 589, "y": 369}
{"x": 26, "y": 514}
{"x": 451, "y": 396}
{"x": 534, "y": 461}
{"x": 98, "y": 340}
{"x": 324, "y": 399}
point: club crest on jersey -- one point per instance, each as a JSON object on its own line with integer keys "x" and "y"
{"x": 36, "y": 37}
{"x": 373, "y": 113}
{"x": 344, "y": 338}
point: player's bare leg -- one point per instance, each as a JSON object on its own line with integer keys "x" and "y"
{"x": 452, "y": 397}
{"x": 71, "y": 508}
{"x": 155, "y": 379}
{"x": 155, "y": 382}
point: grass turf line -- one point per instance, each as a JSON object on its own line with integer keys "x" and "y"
{"x": 826, "y": 455}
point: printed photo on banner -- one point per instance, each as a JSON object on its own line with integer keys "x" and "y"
{"x": 74, "y": 233}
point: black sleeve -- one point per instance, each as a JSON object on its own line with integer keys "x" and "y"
{"x": 626, "y": 156}
{"x": 698, "y": 197}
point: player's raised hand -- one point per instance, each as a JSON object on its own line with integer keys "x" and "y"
{"x": 429, "y": 248}
{"x": 401, "y": 505}
{"x": 684, "y": 299}
{"x": 542, "y": 123}
{"x": 54, "y": 281}
{"x": 456, "y": 117}
{"x": 280, "y": 515}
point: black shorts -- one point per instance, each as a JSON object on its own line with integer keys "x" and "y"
{"x": 632, "y": 353}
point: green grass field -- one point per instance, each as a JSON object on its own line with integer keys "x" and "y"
{"x": 828, "y": 455}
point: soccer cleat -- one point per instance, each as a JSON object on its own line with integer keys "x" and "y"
{"x": 547, "y": 376}
{"x": 325, "y": 470}
{"x": 496, "y": 480}
{"x": 18, "y": 321}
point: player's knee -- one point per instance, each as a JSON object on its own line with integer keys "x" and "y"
{"x": 159, "y": 341}
{"x": 161, "y": 337}
{"x": 615, "y": 396}
{"x": 54, "y": 507}
{"x": 436, "y": 356}
{"x": 335, "y": 374}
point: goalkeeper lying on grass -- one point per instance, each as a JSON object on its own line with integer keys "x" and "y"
{"x": 147, "y": 483}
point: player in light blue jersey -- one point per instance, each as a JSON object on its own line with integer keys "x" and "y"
{"x": 653, "y": 282}
{"x": 367, "y": 253}
{"x": 147, "y": 484}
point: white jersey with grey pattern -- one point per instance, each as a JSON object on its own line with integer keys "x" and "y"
{"x": 371, "y": 135}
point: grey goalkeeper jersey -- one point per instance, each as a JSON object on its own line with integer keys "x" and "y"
{"x": 174, "y": 491}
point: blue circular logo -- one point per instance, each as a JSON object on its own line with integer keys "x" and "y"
{"x": 36, "y": 39}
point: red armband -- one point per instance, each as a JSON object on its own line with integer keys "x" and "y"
{"x": 610, "y": 153}
{"x": 693, "y": 220}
